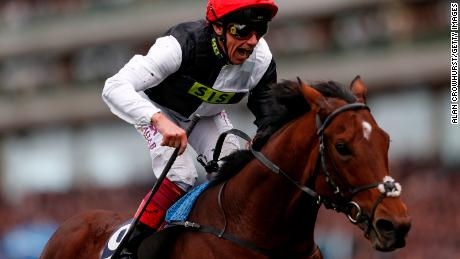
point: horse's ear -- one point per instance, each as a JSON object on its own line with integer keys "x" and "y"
{"x": 359, "y": 89}
{"x": 314, "y": 98}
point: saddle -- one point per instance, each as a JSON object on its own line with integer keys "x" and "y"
{"x": 158, "y": 244}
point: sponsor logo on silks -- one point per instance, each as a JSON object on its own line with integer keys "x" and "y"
{"x": 215, "y": 48}
{"x": 115, "y": 239}
{"x": 149, "y": 132}
{"x": 210, "y": 95}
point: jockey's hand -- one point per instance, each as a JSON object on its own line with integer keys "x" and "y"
{"x": 173, "y": 135}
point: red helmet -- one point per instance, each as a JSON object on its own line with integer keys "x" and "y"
{"x": 216, "y": 9}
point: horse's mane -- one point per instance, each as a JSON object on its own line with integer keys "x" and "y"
{"x": 287, "y": 103}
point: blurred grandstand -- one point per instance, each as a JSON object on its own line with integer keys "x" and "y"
{"x": 62, "y": 152}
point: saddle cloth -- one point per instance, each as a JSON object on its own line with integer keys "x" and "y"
{"x": 180, "y": 210}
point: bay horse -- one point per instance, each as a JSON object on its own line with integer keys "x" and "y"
{"x": 322, "y": 146}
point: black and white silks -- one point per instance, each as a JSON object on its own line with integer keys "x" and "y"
{"x": 184, "y": 73}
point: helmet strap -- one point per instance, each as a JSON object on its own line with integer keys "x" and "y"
{"x": 223, "y": 38}
{"x": 224, "y": 41}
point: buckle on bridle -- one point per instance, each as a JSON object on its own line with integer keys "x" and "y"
{"x": 353, "y": 205}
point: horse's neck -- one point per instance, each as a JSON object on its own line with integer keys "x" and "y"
{"x": 272, "y": 208}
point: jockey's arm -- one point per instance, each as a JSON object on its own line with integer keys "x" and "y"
{"x": 123, "y": 92}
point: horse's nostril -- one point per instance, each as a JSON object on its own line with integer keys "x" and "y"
{"x": 385, "y": 225}
{"x": 403, "y": 229}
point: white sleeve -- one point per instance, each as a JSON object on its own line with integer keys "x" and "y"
{"x": 121, "y": 91}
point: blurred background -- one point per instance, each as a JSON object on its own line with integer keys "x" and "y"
{"x": 62, "y": 152}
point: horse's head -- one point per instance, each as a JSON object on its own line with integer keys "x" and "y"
{"x": 354, "y": 175}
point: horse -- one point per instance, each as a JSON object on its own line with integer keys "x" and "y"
{"x": 322, "y": 146}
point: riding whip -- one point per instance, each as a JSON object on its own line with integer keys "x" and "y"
{"x": 156, "y": 186}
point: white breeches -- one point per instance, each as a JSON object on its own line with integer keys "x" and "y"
{"x": 202, "y": 139}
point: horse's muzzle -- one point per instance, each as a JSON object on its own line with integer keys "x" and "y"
{"x": 389, "y": 235}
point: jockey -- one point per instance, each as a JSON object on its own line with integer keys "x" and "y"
{"x": 196, "y": 67}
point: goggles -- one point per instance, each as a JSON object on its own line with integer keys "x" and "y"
{"x": 245, "y": 31}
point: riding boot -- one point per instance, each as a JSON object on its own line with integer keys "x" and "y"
{"x": 153, "y": 215}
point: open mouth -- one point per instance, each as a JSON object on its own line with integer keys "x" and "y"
{"x": 245, "y": 53}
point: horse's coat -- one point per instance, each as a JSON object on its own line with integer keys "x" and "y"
{"x": 261, "y": 207}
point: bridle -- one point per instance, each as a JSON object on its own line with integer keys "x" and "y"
{"x": 388, "y": 187}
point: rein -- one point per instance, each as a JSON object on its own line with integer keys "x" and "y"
{"x": 388, "y": 187}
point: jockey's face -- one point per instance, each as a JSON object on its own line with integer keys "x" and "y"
{"x": 239, "y": 46}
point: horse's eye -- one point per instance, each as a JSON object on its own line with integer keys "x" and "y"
{"x": 342, "y": 149}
